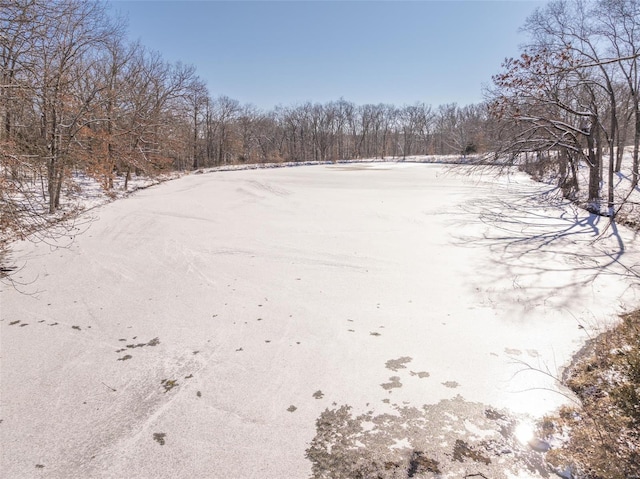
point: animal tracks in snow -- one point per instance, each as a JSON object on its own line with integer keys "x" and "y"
{"x": 153, "y": 342}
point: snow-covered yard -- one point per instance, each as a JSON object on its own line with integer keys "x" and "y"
{"x": 200, "y": 327}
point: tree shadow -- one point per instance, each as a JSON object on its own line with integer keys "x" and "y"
{"x": 545, "y": 247}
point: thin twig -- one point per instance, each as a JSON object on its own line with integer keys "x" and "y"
{"x": 114, "y": 390}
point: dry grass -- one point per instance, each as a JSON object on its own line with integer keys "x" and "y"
{"x": 602, "y": 435}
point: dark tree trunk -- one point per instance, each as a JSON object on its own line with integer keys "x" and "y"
{"x": 594, "y": 173}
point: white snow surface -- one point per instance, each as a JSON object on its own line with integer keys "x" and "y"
{"x": 266, "y": 286}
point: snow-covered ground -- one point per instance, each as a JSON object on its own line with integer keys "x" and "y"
{"x": 199, "y": 328}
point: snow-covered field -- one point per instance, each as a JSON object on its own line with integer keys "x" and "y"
{"x": 199, "y": 328}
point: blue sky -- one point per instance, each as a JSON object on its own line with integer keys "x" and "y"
{"x": 288, "y": 52}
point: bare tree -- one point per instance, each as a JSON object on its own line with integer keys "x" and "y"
{"x": 565, "y": 91}
{"x": 64, "y": 50}
{"x": 224, "y": 112}
{"x": 619, "y": 23}
{"x": 196, "y": 98}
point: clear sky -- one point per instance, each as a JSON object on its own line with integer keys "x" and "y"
{"x": 289, "y": 52}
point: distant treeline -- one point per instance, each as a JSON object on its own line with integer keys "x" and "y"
{"x": 76, "y": 94}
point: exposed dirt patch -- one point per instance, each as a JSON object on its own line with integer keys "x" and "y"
{"x": 396, "y": 364}
{"x": 394, "y": 382}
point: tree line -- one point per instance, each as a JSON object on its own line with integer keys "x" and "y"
{"x": 77, "y": 95}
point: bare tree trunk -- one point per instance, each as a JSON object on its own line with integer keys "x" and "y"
{"x": 636, "y": 147}
{"x": 622, "y": 138}
{"x": 127, "y": 177}
{"x": 612, "y": 159}
{"x": 610, "y": 186}
{"x": 598, "y": 153}
{"x": 59, "y": 180}
{"x": 51, "y": 190}
{"x": 52, "y": 164}
{"x": 562, "y": 169}
{"x": 195, "y": 138}
{"x": 594, "y": 173}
